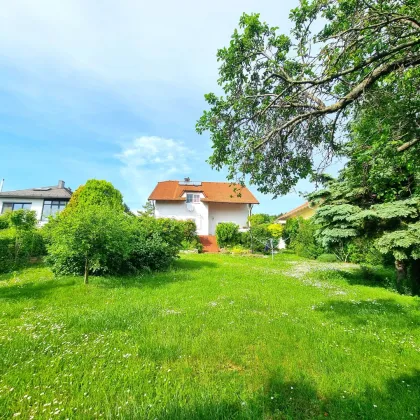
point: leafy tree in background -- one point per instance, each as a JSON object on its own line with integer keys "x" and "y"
{"x": 287, "y": 97}
{"x": 95, "y": 193}
{"x": 299, "y": 236}
{"x": 148, "y": 210}
{"x": 260, "y": 218}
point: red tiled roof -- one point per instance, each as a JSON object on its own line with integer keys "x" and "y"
{"x": 215, "y": 192}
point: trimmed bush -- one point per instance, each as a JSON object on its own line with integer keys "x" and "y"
{"x": 327, "y": 258}
{"x": 227, "y": 234}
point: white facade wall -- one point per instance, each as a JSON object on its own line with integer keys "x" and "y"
{"x": 179, "y": 210}
{"x": 205, "y": 215}
{"x": 227, "y": 212}
{"x": 37, "y": 204}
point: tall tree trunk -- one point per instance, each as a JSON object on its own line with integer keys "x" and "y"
{"x": 401, "y": 274}
{"x": 86, "y": 271}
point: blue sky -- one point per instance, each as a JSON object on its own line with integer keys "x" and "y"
{"x": 112, "y": 90}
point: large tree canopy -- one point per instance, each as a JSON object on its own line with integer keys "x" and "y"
{"x": 376, "y": 197}
{"x": 287, "y": 98}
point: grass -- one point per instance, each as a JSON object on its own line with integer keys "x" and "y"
{"x": 219, "y": 336}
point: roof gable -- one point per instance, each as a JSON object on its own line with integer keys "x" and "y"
{"x": 215, "y": 192}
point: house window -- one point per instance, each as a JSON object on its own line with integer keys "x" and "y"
{"x": 193, "y": 198}
{"x": 52, "y": 207}
{"x": 16, "y": 206}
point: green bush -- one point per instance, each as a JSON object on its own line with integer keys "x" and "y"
{"x": 260, "y": 236}
{"x": 275, "y": 230}
{"x": 189, "y": 230}
{"x": 303, "y": 241}
{"x": 152, "y": 253}
{"x": 245, "y": 239}
{"x": 4, "y": 221}
{"x": 16, "y": 250}
{"x": 190, "y": 239}
{"x": 7, "y": 250}
{"x": 20, "y": 241}
{"x": 363, "y": 251}
{"x": 290, "y": 230}
{"x": 95, "y": 234}
{"x": 327, "y": 258}
{"x": 227, "y": 234}
{"x": 112, "y": 242}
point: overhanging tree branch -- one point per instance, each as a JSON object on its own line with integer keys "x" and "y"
{"x": 352, "y": 96}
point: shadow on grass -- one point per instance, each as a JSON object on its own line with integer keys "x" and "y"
{"x": 179, "y": 272}
{"x": 372, "y": 276}
{"x": 33, "y": 290}
{"x": 361, "y": 312}
{"x": 398, "y": 399}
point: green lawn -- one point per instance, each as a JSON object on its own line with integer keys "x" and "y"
{"x": 217, "y": 337}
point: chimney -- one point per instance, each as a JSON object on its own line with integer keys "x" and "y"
{"x": 187, "y": 179}
{"x": 61, "y": 184}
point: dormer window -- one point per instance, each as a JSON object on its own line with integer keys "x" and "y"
{"x": 193, "y": 198}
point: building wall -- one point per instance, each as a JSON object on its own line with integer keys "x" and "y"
{"x": 227, "y": 212}
{"x": 179, "y": 210}
{"x": 37, "y": 204}
{"x": 205, "y": 215}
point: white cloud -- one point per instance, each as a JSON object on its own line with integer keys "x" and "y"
{"x": 147, "y": 160}
{"x": 158, "y": 57}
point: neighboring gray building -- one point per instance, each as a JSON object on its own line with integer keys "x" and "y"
{"x": 45, "y": 201}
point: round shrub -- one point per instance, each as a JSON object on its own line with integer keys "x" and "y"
{"x": 227, "y": 234}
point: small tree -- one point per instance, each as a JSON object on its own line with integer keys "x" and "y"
{"x": 88, "y": 241}
{"x": 148, "y": 210}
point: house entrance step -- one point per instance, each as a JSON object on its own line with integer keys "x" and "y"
{"x": 209, "y": 243}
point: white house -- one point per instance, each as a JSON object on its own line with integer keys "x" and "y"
{"x": 45, "y": 201}
{"x": 207, "y": 203}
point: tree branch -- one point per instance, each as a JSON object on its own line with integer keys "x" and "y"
{"x": 353, "y": 95}
{"x": 407, "y": 145}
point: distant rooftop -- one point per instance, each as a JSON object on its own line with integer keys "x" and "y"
{"x": 56, "y": 191}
